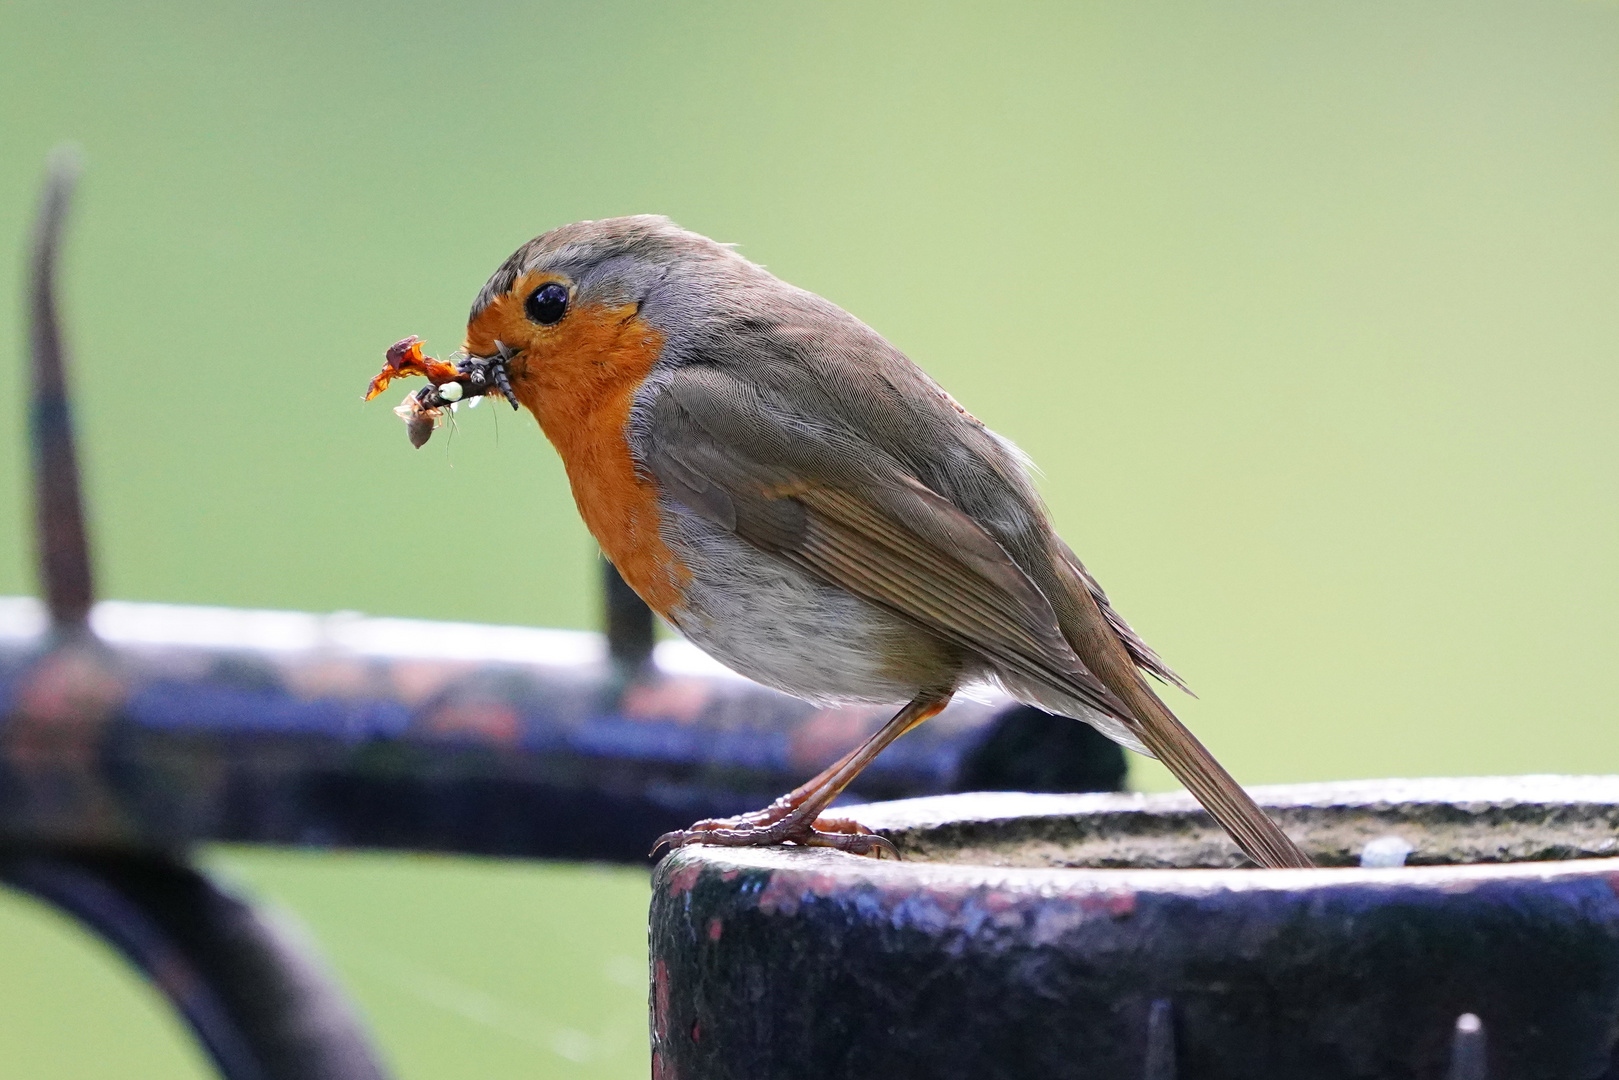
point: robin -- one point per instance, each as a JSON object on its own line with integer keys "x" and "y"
{"x": 799, "y": 499}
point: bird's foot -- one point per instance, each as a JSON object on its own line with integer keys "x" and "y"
{"x": 778, "y": 825}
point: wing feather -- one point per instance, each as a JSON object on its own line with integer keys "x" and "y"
{"x": 880, "y": 534}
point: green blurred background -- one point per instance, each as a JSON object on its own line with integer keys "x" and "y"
{"x": 1309, "y": 312}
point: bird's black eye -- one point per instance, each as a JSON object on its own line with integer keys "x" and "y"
{"x": 547, "y": 304}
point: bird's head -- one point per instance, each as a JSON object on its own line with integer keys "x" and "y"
{"x": 593, "y": 299}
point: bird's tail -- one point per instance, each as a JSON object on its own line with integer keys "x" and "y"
{"x": 1170, "y": 742}
{"x": 1148, "y": 724}
{"x": 1260, "y": 838}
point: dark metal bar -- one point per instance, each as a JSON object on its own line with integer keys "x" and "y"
{"x": 262, "y": 1006}
{"x": 630, "y": 627}
{"x": 62, "y": 540}
{"x": 355, "y": 732}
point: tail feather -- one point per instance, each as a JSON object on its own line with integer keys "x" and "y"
{"x": 1106, "y": 652}
{"x": 1260, "y": 838}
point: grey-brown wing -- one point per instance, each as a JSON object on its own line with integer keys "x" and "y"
{"x": 848, "y": 514}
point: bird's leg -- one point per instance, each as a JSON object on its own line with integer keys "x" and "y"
{"x": 771, "y": 814}
{"x": 783, "y": 806}
{"x": 793, "y": 818}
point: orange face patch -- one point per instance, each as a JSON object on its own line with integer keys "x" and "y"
{"x": 579, "y": 377}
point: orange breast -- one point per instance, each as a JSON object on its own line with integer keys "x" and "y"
{"x": 579, "y": 379}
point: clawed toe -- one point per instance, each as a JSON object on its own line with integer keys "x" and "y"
{"x": 855, "y": 843}
{"x": 838, "y": 833}
{"x": 710, "y": 830}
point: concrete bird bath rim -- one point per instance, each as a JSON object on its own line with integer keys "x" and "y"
{"x": 1113, "y": 935}
{"x": 1445, "y": 820}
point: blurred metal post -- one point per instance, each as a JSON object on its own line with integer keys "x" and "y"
{"x": 630, "y": 627}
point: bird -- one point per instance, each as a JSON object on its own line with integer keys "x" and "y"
{"x": 799, "y": 499}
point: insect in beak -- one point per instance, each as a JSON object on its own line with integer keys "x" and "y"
{"x": 468, "y": 378}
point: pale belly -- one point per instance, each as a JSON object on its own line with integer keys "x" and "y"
{"x": 775, "y": 624}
